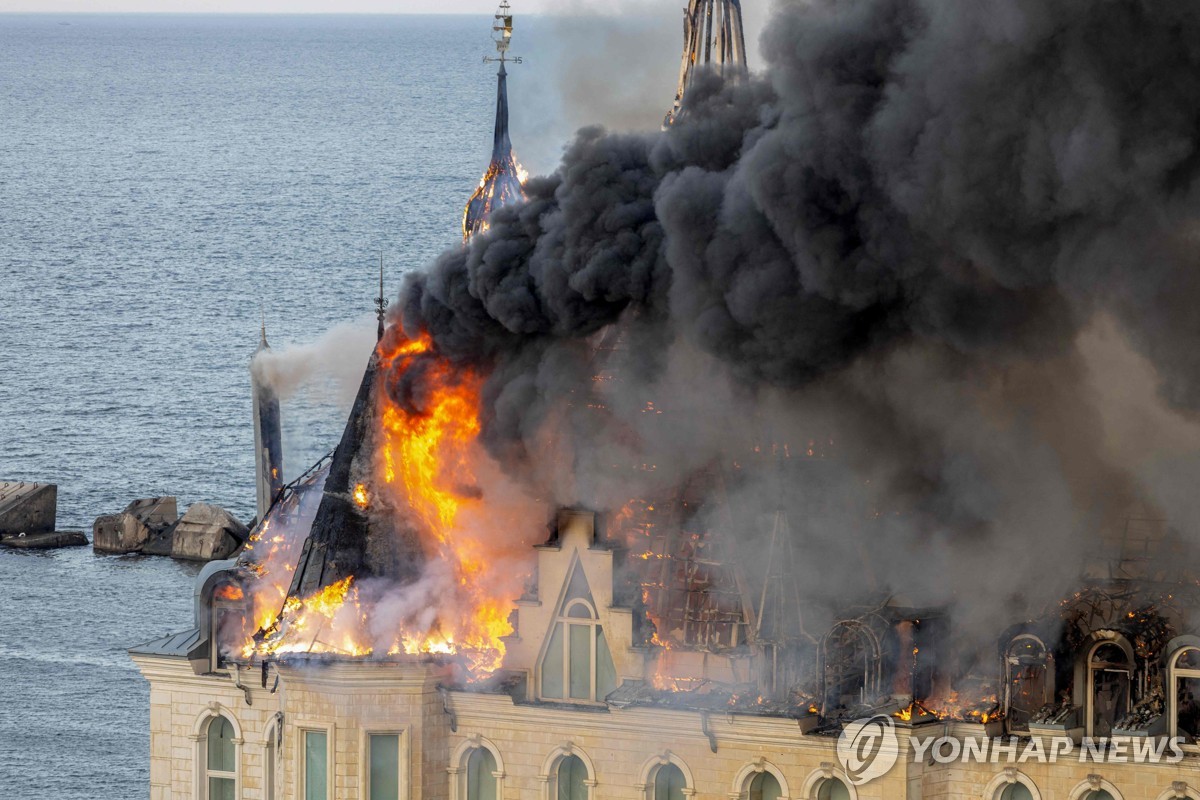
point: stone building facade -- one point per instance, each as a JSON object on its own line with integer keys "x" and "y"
{"x": 555, "y": 728}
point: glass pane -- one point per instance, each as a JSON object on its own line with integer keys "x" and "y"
{"x": 668, "y": 783}
{"x": 552, "y": 665}
{"x": 765, "y": 787}
{"x": 571, "y": 775}
{"x": 579, "y": 611}
{"x": 1100, "y": 795}
{"x": 481, "y": 780}
{"x": 315, "y": 767}
{"x": 220, "y": 745}
{"x": 578, "y": 587}
{"x": 833, "y": 789}
{"x": 220, "y": 789}
{"x": 1189, "y": 660}
{"x": 581, "y": 662}
{"x": 606, "y": 671}
{"x": 385, "y": 766}
{"x": 1016, "y": 791}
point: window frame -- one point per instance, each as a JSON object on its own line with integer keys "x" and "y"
{"x": 651, "y": 769}
{"x": 302, "y": 729}
{"x": 206, "y": 773}
{"x": 1093, "y": 668}
{"x": 199, "y": 739}
{"x": 458, "y": 766}
{"x": 401, "y": 735}
{"x": 550, "y": 767}
{"x": 562, "y": 623}
{"x": 1174, "y": 674}
{"x": 1045, "y": 662}
{"x": 556, "y": 770}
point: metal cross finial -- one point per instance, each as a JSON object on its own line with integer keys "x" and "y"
{"x": 381, "y": 302}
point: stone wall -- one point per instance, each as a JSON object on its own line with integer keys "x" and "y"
{"x": 622, "y": 747}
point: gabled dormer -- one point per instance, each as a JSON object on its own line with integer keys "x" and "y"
{"x": 572, "y": 641}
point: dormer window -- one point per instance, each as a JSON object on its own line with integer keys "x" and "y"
{"x": 1029, "y": 683}
{"x": 1184, "y": 675}
{"x": 1110, "y": 677}
{"x": 850, "y": 667}
{"x": 576, "y": 663}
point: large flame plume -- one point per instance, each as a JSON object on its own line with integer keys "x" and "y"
{"x": 426, "y": 473}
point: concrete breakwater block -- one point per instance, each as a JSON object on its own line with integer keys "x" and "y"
{"x": 27, "y": 507}
{"x": 141, "y": 528}
{"x": 47, "y": 540}
{"x": 152, "y": 527}
{"x": 207, "y": 533}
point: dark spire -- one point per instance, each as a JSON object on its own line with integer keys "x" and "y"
{"x": 329, "y": 551}
{"x": 502, "y": 144}
{"x": 381, "y": 302}
{"x": 262, "y": 341}
{"x": 501, "y": 183}
{"x": 345, "y": 539}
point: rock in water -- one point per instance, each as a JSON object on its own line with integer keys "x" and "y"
{"x": 47, "y": 540}
{"x": 207, "y": 533}
{"x": 142, "y": 525}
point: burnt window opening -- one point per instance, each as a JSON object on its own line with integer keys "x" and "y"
{"x": 1028, "y": 680}
{"x": 1110, "y": 680}
{"x": 1184, "y": 674}
{"x": 231, "y": 619}
{"x": 850, "y": 667}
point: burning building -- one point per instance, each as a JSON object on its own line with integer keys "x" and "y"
{"x": 721, "y": 449}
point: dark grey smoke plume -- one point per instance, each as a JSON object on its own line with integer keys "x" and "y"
{"x": 895, "y": 240}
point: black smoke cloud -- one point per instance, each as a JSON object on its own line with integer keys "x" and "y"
{"x": 895, "y": 238}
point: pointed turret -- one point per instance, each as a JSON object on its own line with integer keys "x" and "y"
{"x": 501, "y": 184}
{"x": 712, "y": 35}
{"x": 345, "y": 539}
{"x": 268, "y": 434}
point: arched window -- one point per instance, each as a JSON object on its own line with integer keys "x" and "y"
{"x": 1184, "y": 676}
{"x": 669, "y": 783}
{"x": 764, "y": 786}
{"x": 481, "y": 775}
{"x": 1015, "y": 791}
{"x": 1099, "y": 794}
{"x": 1028, "y": 680}
{"x": 832, "y": 789}
{"x": 1110, "y": 675}
{"x": 221, "y": 760}
{"x": 850, "y": 656}
{"x": 577, "y": 664}
{"x": 570, "y": 779}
